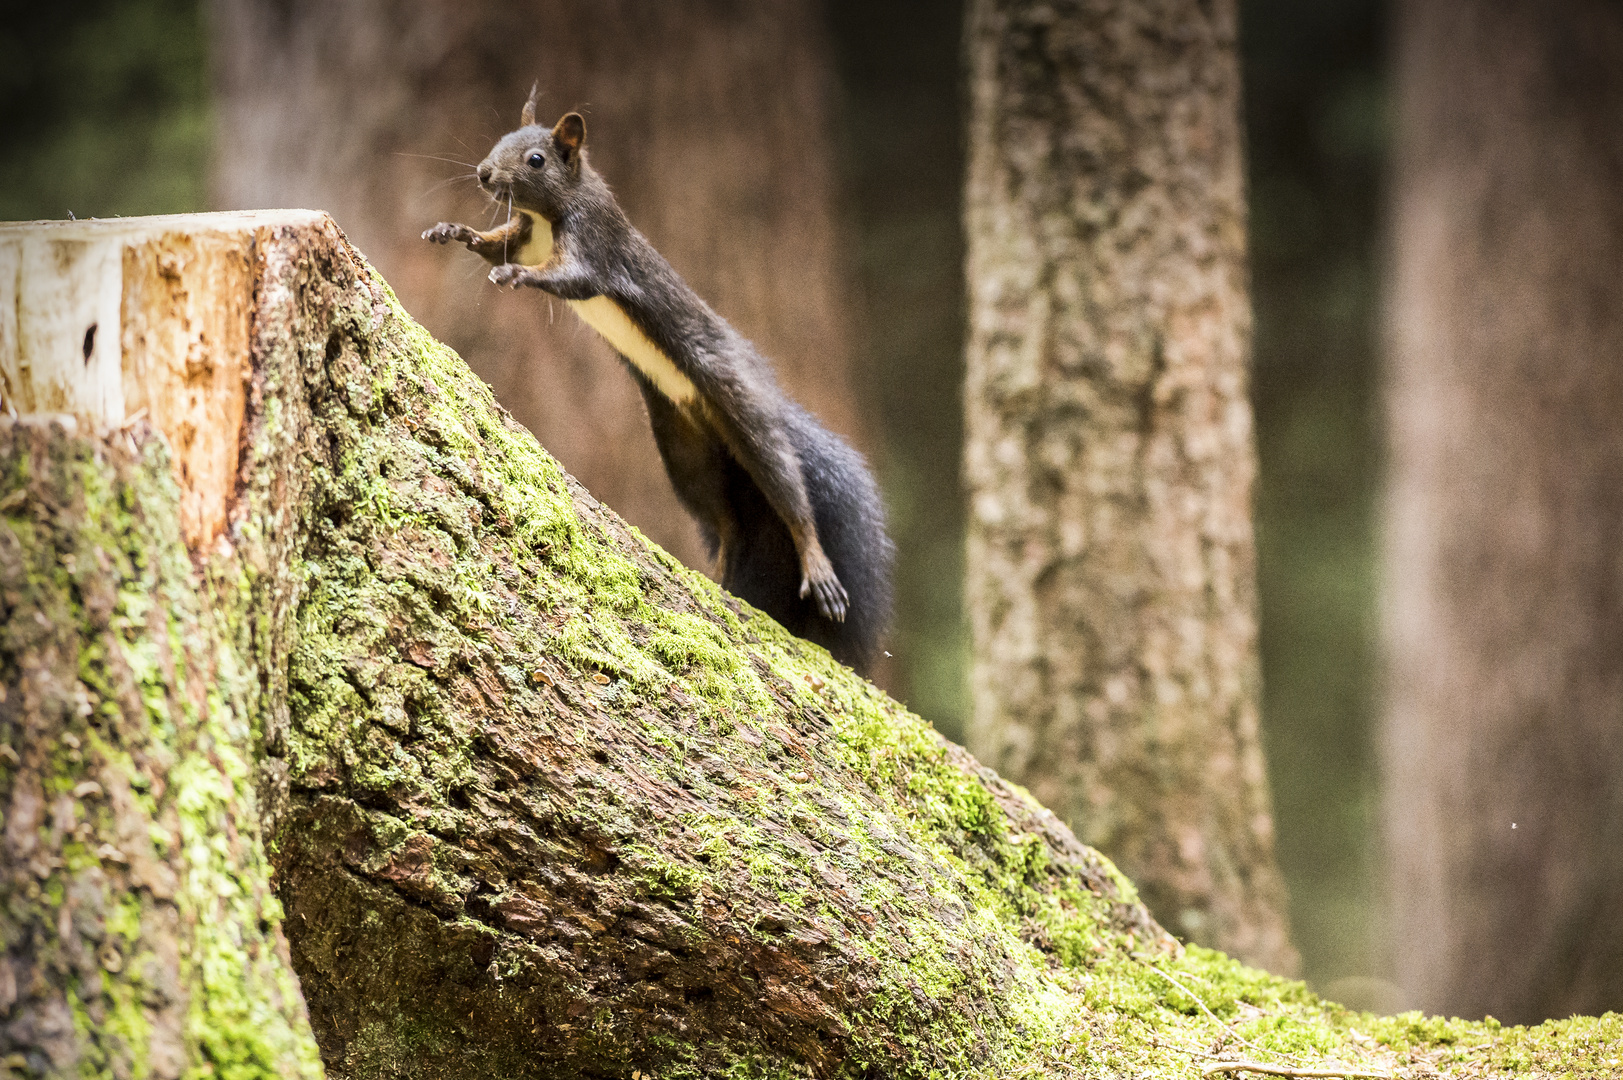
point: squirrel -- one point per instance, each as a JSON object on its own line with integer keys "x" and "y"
{"x": 789, "y": 511}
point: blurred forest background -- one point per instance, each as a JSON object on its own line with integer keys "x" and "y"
{"x": 105, "y": 109}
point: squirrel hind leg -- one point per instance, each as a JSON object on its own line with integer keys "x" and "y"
{"x": 851, "y": 527}
{"x": 764, "y": 569}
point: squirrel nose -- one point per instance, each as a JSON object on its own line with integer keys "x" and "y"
{"x": 484, "y": 174}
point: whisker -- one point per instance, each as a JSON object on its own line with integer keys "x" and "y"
{"x": 436, "y": 157}
{"x": 443, "y": 183}
{"x": 509, "y": 221}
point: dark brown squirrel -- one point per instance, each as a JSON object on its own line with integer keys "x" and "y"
{"x": 789, "y": 512}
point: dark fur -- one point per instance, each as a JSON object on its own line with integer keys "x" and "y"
{"x": 788, "y": 508}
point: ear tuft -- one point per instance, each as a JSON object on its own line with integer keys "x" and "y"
{"x": 527, "y": 116}
{"x": 569, "y": 134}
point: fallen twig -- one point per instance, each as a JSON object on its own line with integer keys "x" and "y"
{"x": 1291, "y": 1070}
{"x": 1196, "y": 998}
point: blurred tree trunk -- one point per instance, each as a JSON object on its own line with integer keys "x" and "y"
{"x": 710, "y": 120}
{"x": 1109, "y": 459}
{"x": 1503, "y": 604}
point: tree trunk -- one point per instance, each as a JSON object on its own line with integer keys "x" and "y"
{"x": 1504, "y": 593}
{"x": 710, "y": 119}
{"x": 1109, "y": 460}
{"x": 536, "y": 800}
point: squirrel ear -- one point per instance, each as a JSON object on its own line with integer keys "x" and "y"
{"x": 527, "y": 116}
{"x": 569, "y": 133}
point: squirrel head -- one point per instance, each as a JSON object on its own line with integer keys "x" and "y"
{"x": 539, "y": 170}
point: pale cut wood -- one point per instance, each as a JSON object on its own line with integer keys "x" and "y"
{"x": 109, "y": 320}
{"x": 139, "y": 935}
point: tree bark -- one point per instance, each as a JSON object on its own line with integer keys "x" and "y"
{"x": 1503, "y": 601}
{"x": 711, "y": 119}
{"x": 1109, "y": 448}
{"x": 535, "y": 799}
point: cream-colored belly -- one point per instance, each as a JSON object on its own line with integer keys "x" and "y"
{"x": 606, "y": 317}
{"x": 612, "y": 323}
{"x": 538, "y": 248}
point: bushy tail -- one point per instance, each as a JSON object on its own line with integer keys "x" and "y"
{"x": 851, "y": 524}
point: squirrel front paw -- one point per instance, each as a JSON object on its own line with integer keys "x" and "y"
{"x": 512, "y": 275}
{"x": 447, "y": 232}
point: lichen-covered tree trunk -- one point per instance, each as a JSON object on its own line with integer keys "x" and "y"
{"x": 712, "y": 120}
{"x": 138, "y": 924}
{"x": 1109, "y": 451}
{"x": 1503, "y": 742}
{"x": 292, "y": 604}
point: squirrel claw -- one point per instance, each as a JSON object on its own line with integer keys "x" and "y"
{"x": 829, "y": 596}
{"x": 446, "y": 232}
{"x": 509, "y": 274}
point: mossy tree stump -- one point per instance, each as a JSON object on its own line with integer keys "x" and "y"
{"x": 320, "y": 675}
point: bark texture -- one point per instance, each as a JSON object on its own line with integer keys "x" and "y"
{"x": 538, "y": 801}
{"x": 1503, "y": 745}
{"x": 1109, "y": 448}
{"x": 711, "y": 119}
{"x": 139, "y": 929}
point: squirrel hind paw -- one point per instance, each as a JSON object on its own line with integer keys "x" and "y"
{"x": 829, "y": 596}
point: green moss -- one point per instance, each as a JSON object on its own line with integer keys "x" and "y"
{"x": 663, "y": 878}
{"x": 240, "y": 990}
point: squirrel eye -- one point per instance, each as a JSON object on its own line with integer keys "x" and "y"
{"x": 536, "y": 160}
